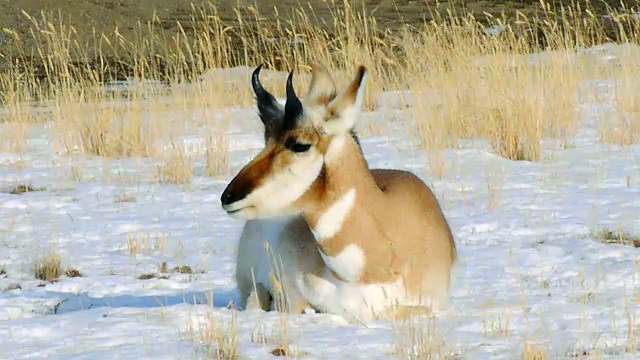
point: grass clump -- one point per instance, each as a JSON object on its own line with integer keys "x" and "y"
{"x": 103, "y": 129}
{"x": 149, "y": 276}
{"x": 23, "y": 189}
{"x": 163, "y": 269}
{"x": 220, "y": 338}
{"x": 177, "y": 167}
{"x": 183, "y": 269}
{"x": 534, "y": 352}
{"x": 125, "y": 196}
{"x": 180, "y": 269}
{"x": 418, "y": 338}
{"x": 608, "y": 236}
{"x": 144, "y": 242}
{"x": 217, "y": 155}
{"x": 48, "y": 268}
{"x": 72, "y": 272}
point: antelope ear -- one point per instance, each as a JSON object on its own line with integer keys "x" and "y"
{"x": 343, "y": 110}
{"x": 269, "y": 109}
{"x": 322, "y": 88}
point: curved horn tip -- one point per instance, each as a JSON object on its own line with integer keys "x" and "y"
{"x": 290, "y": 90}
{"x": 256, "y": 71}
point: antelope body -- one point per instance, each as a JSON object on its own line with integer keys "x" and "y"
{"x": 348, "y": 240}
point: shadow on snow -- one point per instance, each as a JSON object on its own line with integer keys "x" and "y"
{"x": 79, "y": 302}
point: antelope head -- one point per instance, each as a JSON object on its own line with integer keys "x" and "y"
{"x": 300, "y": 138}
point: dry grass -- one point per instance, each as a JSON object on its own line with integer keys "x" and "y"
{"x": 76, "y": 171}
{"x": 617, "y": 236}
{"x": 177, "y": 167}
{"x": 104, "y": 129}
{"x": 149, "y": 276}
{"x": 417, "y": 337}
{"x": 623, "y": 125}
{"x": 180, "y": 269}
{"x": 48, "y": 267}
{"x": 465, "y": 83}
{"x": 220, "y": 338}
{"x": 125, "y": 196}
{"x": 13, "y": 137}
{"x": 145, "y": 242}
{"x": 534, "y": 352}
{"x": 163, "y": 272}
{"x": 511, "y": 103}
{"x": 217, "y": 154}
{"x": 72, "y": 272}
{"x": 279, "y": 342}
{"x": 496, "y": 325}
{"x": 22, "y": 189}
{"x": 183, "y": 269}
{"x": 281, "y": 335}
{"x": 632, "y": 328}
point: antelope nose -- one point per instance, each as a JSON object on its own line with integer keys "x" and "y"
{"x": 228, "y": 197}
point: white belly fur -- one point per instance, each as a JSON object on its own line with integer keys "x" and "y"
{"x": 355, "y": 302}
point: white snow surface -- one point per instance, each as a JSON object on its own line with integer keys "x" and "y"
{"x": 530, "y": 269}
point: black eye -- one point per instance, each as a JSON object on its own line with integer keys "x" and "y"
{"x": 296, "y": 147}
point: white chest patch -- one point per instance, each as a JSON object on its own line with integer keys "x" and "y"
{"x": 348, "y": 264}
{"x": 331, "y": 221}
{"x": 354, "y": 301}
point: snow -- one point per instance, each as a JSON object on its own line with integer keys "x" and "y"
{"x": 529, "y": 270}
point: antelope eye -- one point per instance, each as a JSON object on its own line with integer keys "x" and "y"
{"x": 296, "y": 147}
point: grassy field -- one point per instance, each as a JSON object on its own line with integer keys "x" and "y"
{"x": 67, "y": 62}
{"x": 92, "y": 22}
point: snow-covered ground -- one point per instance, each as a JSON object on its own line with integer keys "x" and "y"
{"x": 529, "y": 271}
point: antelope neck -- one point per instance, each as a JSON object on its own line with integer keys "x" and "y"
{"x": 344, "y": 186}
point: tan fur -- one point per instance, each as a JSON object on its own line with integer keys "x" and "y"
{"x": 322, "y": 87}
{"x": 296, "y": 250}
{"x": 396, "y": 220}
{"x": 348, "y": 95}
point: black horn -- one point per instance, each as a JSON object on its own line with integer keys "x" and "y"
{"x": 269, "y": 109}
{"x": 293, "y": 106}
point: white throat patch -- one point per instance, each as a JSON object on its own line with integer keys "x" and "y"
{"x": 331, "y": 221}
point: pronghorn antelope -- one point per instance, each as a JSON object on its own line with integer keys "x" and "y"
{"x": 350, "y": 241}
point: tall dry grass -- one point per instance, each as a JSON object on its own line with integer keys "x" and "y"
{"x": 502, "y": 89}
{"x": 623, "y": 125}
{"x": 465, "y": 84}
